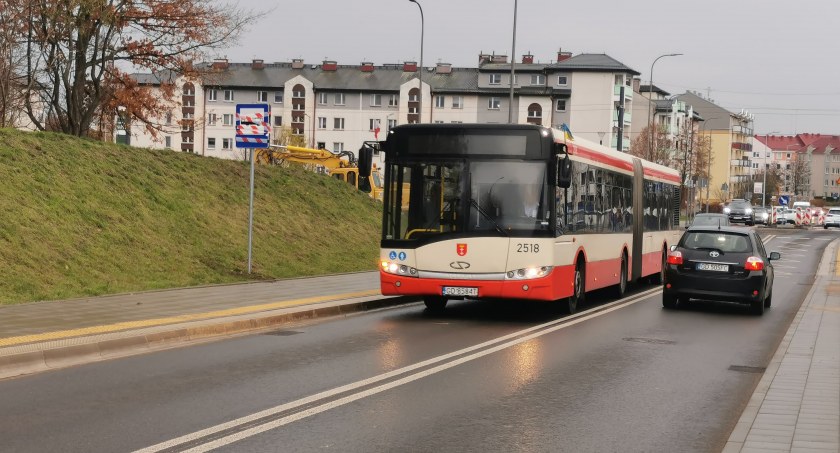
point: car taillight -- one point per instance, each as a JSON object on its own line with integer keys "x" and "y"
{"x": 675, "y": 257}
{"x": 754, "y": 263}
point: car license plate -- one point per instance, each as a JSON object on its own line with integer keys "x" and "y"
{"x": 712, "y": 267}
{"x": 459, "y": 291}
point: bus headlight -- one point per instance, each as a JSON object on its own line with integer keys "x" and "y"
{"x": 528, "y": 273}
{"x": 397, "y": 269}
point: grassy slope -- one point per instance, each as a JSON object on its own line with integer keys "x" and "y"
{"x": 80, "y": 218}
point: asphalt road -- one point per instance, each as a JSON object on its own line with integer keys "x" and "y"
{"x": 484, "y": 376}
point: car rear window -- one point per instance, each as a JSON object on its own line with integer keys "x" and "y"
{"x": 716, "y": 240}
{"x": 834, "y": 211}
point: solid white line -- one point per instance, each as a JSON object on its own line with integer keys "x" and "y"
{"x": 564, "y": 322}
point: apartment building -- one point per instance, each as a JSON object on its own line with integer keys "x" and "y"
{"x": 731, "y": 140}
{"x": 338, "y": 107}
{"x": 820, "y": 176}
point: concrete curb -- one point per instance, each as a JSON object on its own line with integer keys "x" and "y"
{"x": 51, "y": 355}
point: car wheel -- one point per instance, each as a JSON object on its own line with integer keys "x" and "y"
{"x": 768, "y": 300}
{"x": 825, "y": 227}
{"x": 621, "y": 288}
{"x": 757, "y": 307}
{"x": 571, "y": 303}
{"x": 435, "y": 304}
{"x": 669, "y": 301}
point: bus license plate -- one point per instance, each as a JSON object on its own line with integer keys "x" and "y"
{"x": 712, "y": 267}
{"x": 459, "y": 291}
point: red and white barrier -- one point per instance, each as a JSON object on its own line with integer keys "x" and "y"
{"x": 798, "y": 216}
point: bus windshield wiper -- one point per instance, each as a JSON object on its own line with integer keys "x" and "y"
{"x": 488, "y": 217}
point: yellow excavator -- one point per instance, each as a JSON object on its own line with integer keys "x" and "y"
{"x": 342, "y": 165}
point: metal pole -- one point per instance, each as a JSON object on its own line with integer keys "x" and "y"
{"x": 512, "y": 60}
{"x": 420, "y": 76}
{"x": 650, "y": 96}
{"x": 251, "y": 213}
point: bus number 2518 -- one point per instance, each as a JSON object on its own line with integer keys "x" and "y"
{"x": 527, "y": 248}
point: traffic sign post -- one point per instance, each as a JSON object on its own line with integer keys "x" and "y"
{"x": 252, "y": 131}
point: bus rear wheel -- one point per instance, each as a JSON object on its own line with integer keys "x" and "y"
{"x": 435, "y": 304}
{"x": 621, "y": 288}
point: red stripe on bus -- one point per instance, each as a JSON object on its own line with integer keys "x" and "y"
{"x": 662, "y": 175}
{"x": 576, "y": 150}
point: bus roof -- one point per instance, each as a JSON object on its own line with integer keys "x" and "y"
{"x": 623, "y": 161}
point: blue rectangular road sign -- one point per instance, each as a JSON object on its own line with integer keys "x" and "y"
{"x": 252, "y": 125}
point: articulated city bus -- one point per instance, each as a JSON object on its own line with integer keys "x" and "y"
{"x": 519, "y": 212}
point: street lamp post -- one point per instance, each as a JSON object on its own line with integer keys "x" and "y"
{"x": 420, "y": 77}
{"x": 512, "y": 59}
{"x": 650, "y": 95}
{"x": 764, "y": 183}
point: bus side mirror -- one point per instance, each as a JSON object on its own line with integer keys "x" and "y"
{"x": 365, "y": 161}
{"x": 564, "y": 172}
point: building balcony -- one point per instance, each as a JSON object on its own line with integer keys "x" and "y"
{"x": 742, "y": 146}
{"x": 628, "y": 117}
{"x": 740, "y": 163}
{"x": 628, "y": 91}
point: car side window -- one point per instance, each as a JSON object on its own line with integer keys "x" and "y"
{"x": 760, "y": 246}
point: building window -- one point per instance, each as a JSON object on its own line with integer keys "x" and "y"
{"x": 211, "y": 143}
{"x": 339, "y": 99}
{"x": 322, "y": 122}
{"x": 494, "y": 103}
{"x": 495, "y": 79}
{"x": 186, "y": 126}
{"x": 457, "y": 102}
{"x": 537, "y": 79}
{"x": 227, "y": 143}
{"x": 322, "y": 98}
{"x": 338, "y": 124}
{"x": 228, "y": 95}
{"x": 278, "y": 97}
{"x": 374, "y": 124}
{"x": 169, "y": 119}
{"x": 338, "y": 147}
{"x": 262, "y": 96}
{"x": 212, "y": 95}
{"x": 561, "y": 105}
{"x": 562, "y": 80}
{"x": 227, "y": 119}
{"x": 278, "y": 120}
{"x": 321, "y": 145}
{"x": 211, "y": 119}
{"x": 392, "y": 124}
{"x": 298, "y": 94}
{"x": 393, "y": 100}
{"x": 440, "y": 101}
{"x": 167, "y": 141}
{"x": 376, "y": 100}
{"x": 534, "y": 111}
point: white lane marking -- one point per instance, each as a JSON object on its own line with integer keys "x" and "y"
{"x": 563, "y": 323}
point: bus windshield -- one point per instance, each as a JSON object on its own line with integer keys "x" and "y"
{"x": 446, "y": 197}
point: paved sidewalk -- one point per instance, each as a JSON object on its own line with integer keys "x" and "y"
{"x": 796, "y": 406}
{"x": 49, "y": 335}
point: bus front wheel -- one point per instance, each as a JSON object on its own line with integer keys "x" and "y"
{"x": 576, "y": 299}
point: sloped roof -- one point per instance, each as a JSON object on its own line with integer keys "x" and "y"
{"x": 818, "y": 143}
{"x": 592, "y": 62}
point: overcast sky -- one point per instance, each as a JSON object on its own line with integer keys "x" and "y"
{"x": 780, "y": 60}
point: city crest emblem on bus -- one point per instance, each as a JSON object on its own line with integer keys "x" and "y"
{"x": 462, "y": 249}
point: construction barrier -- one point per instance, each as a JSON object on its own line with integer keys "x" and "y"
{"x": 798, "y": 216}
{"x": 808, "y": 216}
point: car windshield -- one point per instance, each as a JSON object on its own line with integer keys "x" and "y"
{"x": 716, "y": 240}
{"x": 739, "y": 204}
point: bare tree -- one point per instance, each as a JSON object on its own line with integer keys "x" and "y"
{"x": 799, "y": 175}
{"x": 662, "y": 151}
{"x": 79, "y": 55}
{"x": 11, "y": 64}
